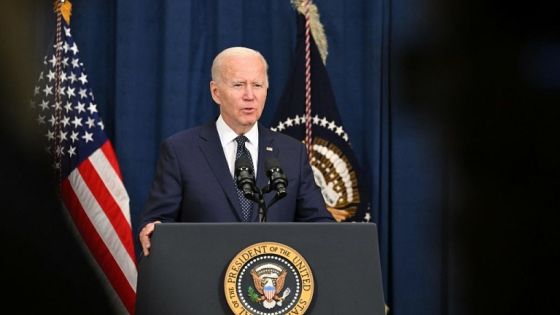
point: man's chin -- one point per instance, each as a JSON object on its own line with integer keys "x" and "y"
{"x": 250, "y": 121}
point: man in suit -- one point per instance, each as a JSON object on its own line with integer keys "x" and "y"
{"x": 194, "y": 179}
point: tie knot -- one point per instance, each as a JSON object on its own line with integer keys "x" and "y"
{"x": 241, "y": 148}
{"x": 241, "y": 140}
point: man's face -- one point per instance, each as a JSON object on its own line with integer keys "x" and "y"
{"x": 240, "y": 91}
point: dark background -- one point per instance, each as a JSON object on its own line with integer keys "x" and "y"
{"x": 450, "y": 106}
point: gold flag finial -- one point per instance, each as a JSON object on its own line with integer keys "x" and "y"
{"x": 65, "y": 9}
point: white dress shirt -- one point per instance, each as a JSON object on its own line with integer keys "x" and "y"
{"x": 229, "y": 145}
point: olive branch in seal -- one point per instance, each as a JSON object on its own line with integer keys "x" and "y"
{"x": 252, "y": 294}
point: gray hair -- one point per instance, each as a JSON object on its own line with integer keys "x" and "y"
{"x": 234, "y": 51}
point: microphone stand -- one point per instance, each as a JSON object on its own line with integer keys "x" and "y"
{"x": 277, "y": 196}
{"x": 258, "y": 197}
{"x": 263, "y": 209}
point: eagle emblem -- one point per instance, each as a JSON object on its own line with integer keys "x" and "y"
{"x": 269, "y": 281}
{"x": 269, "y": 278}
{"x": 337, "y": 179}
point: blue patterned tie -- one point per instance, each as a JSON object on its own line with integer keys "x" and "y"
{"x": 246, "y": 204}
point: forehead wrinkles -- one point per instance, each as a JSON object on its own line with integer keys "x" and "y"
{"x": 239, "y": 74}
{"x": 225, "y": 67}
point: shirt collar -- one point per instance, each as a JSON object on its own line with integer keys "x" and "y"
{"x": 227, "y": 134}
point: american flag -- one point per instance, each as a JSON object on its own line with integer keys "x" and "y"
{"x": 91, "y": 185}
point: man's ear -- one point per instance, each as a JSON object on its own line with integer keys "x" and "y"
{"x": 215, "y": 92}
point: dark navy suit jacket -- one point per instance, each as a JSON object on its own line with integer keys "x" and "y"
{"x": 193, "y": 182}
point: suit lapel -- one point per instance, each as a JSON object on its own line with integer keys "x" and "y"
{"x": 212, "y": 149}
{"x": 267, "y": 149}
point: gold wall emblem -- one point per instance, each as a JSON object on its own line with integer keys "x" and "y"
{"x": 337, "y": 179}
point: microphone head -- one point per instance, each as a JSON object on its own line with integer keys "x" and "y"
{"x": 277, "y": 180}
{"x": 270, "y": 164}
{"x": 244, "y": 178}
{"x": 242, "y": 162}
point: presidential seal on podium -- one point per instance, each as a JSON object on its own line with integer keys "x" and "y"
{"x": 268, "y": 278}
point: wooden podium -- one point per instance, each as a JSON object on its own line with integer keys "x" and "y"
{"x": 191, "y": 265}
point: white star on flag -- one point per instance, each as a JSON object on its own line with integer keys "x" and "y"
{"x": 83, "y": 78}
{"x": 65, "y": 121}
{"x": 53, "y": 61}
{"x": 74, "y": 136}
{"x": 90, "y": 122}
{"x": 70, "y": 92}
{"x": 51, "y": 75}
{"x": 87, "y": 136}
{"x": 83, "y": 93}
{"x": 72, "y": 77}
{"x": 80, "y": 107}
{"x": 92, "y": 108}
{"x": 77, "y": 122}
{"x": 71, "y": 151}
{"x": 44, "y": 104}
{"x": 48, "y": 90}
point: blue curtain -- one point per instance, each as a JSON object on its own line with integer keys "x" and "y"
{"x": 416, "y": 84}
{"x": 148, "y": 64}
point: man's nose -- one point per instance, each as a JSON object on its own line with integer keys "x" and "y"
{"x": 249, "y": 93}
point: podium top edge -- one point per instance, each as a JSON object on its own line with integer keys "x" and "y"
{"x": 268, "y": 223}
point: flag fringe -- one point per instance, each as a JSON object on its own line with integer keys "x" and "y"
{"x": 65, "y": 9}
{"x": 317, "y": 29}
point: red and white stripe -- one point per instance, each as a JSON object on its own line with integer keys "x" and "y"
{"x": 99, "y": 205}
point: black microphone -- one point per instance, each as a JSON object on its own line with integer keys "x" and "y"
{"x": 277, "y": 180}
{"x": 244, "y": 177}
